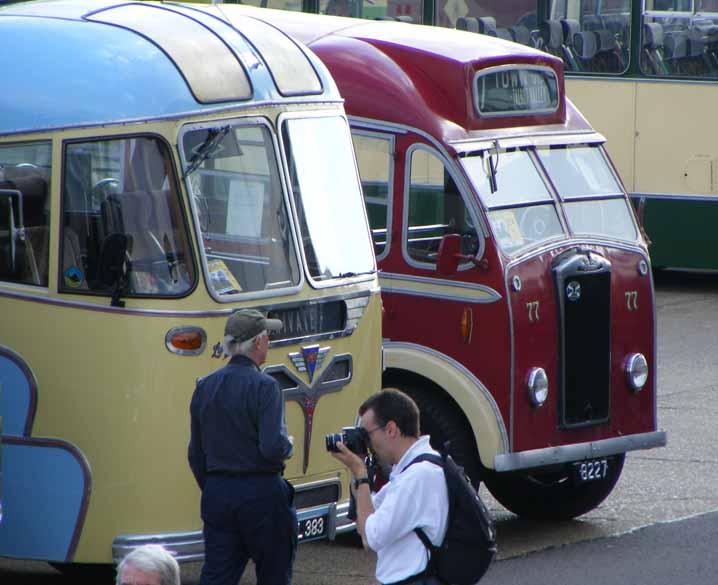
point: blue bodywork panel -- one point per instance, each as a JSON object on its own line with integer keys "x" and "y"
{"x": 45, "y": 482}
{"x": 61, "y": 66}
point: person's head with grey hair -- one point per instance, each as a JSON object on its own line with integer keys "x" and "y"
{"x": 247, "y": 333}
{"x": 148, "y": 565}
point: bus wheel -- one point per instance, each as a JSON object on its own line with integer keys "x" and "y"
{"x": 552, "y": 496}
{"x": 442, "y": 420}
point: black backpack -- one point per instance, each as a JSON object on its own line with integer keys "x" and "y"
{"x": 470, "y": 542}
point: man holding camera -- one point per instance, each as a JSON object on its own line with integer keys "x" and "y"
{"x": 237, "y": 450}
{"x": 415, "y": 497}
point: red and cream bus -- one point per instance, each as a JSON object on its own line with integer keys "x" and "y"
{"x": 517, "y": 287}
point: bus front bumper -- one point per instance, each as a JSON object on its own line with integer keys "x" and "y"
{"x": 577, "y": 452}
{"x": 321, "y": 522}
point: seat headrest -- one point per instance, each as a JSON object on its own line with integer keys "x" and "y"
{"x": 652, "y": 35}
{"x": 586, "y": 44}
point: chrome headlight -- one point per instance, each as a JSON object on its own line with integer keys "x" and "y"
{"x": 636, "y": 371}
{"x": 537, "y": 385}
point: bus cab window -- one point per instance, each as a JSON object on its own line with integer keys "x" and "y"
{"x": 24, "y": 213}
{"x": 239, "y": 206}
{"x": 376, "y": 167}
{"x": 123, "y": 186}
{"x": 435, "y": 209}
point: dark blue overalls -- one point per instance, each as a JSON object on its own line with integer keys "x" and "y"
{"x": 236, "y": 452}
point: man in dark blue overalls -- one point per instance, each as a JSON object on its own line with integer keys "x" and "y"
{"x": 237, "y": 450}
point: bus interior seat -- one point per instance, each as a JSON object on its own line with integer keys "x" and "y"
{"x": 586, "y": 46}
{"x": 676, "y": 50}
{"x": 570, "y": 28}
{"x": 111, "y": 211}
{"x": 138, "y": 220}
{"x": 467, "y": 23}
{"x": 609, "y": 52}
{"x": 487, "y": 25}
{"x": 652, "y": 59}
{"x": 521, "y": 34}
{"x": 552, "y": 37}
{"x": 504, "y": 33}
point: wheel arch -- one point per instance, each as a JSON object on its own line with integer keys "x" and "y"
{"x": 472, "y": 398}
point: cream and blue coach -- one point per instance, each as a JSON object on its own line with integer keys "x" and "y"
{"x": 161, "y": 166}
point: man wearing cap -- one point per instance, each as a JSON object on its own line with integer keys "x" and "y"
{"x": 237, "y": 449}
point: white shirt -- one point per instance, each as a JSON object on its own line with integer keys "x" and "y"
{"x": 415, "y": 498}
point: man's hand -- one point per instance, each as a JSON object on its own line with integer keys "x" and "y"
{"x": 351, "y": 460}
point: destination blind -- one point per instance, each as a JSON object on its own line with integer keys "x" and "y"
{"x": 516, "y": 90}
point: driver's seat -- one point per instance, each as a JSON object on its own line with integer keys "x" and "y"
{"x": 144, "y": 250}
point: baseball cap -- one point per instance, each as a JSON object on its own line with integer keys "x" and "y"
{"x": 246, "y": 323}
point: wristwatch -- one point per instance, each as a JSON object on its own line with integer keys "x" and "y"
{"x": 360, "y": 480}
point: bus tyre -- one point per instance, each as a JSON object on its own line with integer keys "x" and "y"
{"x": 442, "y": 420}
{"x": 550, "y": 497}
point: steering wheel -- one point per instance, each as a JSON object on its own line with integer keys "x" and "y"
{"x": 534, "y": 223}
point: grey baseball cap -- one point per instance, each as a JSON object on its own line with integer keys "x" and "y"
{"x": 246, "y": 323}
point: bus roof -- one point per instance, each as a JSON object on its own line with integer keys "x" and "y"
{"x": 381, "y": 69}
{"x": 90, "y": 62}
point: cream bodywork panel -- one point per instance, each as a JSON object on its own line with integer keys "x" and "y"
{"x": 470, "y": 394}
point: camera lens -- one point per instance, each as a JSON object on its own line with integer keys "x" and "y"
{"x": 331, "y": 441}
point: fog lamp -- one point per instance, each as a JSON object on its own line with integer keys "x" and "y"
{"x": 537, "y": 384}
{"x": 636, "y": 371}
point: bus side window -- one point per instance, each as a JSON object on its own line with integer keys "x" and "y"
{"x": 376, "y": 167}
{"x": 123, "y": 186}
{"x": 25, "y": 213}
{"x": 435, "y": 208}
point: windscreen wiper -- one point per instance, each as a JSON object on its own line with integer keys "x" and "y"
{"x": 206, "y": 149}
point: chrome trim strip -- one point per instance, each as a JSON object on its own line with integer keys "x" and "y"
{"x": 464, "y": 147}
{"x": 34, "y": 298}
{"x": 466, "y": 372}
{"x": 481, "y": 293}
{"x": 343, "y": 524}
{"x": 189, "y": 546}
{"x": 710, "y": 198}
{"x": 554, "y": 455}
{"x": 552, "y": 134}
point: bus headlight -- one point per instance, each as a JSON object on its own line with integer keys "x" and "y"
{"x": 537, "y": 384}
{"x": 636, "y": 371}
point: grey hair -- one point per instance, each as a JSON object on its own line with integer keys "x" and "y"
{"x": 152, "y": 558}
{"x": 233, "y": 347}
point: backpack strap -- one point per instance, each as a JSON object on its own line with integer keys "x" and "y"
{"x": 436, "y": 460}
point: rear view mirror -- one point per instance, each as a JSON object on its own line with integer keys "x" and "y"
{"x": 449, "y": 254}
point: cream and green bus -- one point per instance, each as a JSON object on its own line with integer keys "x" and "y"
{"x": 144, "y": 196}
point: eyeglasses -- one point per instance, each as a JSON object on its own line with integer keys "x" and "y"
{"x": 369, "y": 432}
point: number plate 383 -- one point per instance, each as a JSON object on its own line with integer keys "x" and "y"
{"x": 312, "y": 528}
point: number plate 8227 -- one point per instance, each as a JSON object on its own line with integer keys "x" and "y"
{"x": 591, "y": 470}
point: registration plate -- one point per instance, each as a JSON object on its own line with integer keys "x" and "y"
{"x": 313, "y": 528}
{"x": 591, "y": 470}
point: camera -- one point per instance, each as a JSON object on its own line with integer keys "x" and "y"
{"x": 355, "y": 439}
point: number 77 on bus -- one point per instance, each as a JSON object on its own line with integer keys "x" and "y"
{"x": 518, "y": 294}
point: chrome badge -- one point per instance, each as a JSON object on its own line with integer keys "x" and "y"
{"x": 573, "y": 291}
{"x": 309, "y": 360}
